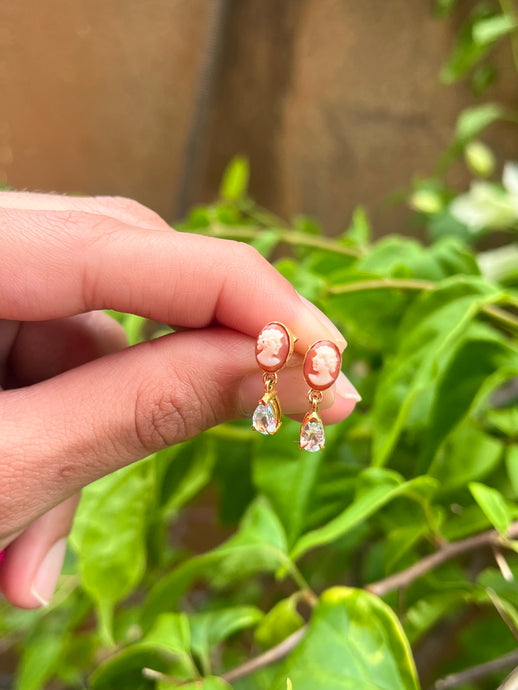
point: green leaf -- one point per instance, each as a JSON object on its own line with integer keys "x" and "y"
{"x": 479, "y": 158}
{"x": 188, "y": 472}
{"x": 354, "y": 641}
{"x": 212, "y": 627}
{"x": 366, "y": 504}
{"x": 235, "y": 179}
{"x": 172, "y": 633}
{"x": 125, "y": 670}
{"x": 486, "y": 31}
{"x": 431, "y": 332}
{"x": 492, "y": 504}
{"x": 109, "y": 537}
{"x": 266, "y": 241}
{"x": 429, "y": 610}
{"x": 39, "y": 661}
{"x": 511, "y": 462}
{"x": 474, "y": 120}
{"x": 279, "y": 623}
{"x": 469, "y": 372}
{"x": 359, "y": 231}
{"x": 258, "y": 547}
{"x": 286, "y": 475}
{"x": 471, "y": 454}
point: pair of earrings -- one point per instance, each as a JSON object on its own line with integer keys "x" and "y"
{"x": 322, "y": 365}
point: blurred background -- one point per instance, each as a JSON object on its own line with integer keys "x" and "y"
{"x": 334, "y": 102}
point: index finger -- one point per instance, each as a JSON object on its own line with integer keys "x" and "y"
{"x": 58, "y": 263}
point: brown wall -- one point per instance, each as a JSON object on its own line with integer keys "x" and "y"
{"x": 336, "y": 102}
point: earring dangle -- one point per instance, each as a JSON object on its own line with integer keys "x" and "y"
{"x": 273, "y": 349}
{"x": 321, "y": 368}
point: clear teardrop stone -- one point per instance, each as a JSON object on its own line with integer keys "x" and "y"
{"x": 312, "y": 437}
{"x": 264, "y": 420}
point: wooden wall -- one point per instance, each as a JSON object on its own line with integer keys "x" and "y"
{"x": 336, "y": 102}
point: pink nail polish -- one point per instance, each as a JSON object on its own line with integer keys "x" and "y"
{"x": 2, "y": 554}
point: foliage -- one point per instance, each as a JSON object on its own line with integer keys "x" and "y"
{"x": 429, "y": 456}
{"x": 349, "y": 563}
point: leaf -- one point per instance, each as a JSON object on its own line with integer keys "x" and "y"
{"x": 487, "y": 31}
{"x": 475, "y": 363}
{"x": 354, "y": 641}
{"x": 432, "y": 329}
{"x": 188, "y": 472}
{"x": 492, "y": 504}
{"x": 470, "y": 454}
{"x": 365, "y": 505}
{"x": 212, "y": 627}
{"x": 266, "y": 241}
{"x": 286, "y": 476}
{"x": 511, "y": 462}
{"x": 109, "y": 537}
{"x": 428, "y": 610}
{"x": 279, "y": 623}
{"x": 39, "y": 661}
{"x": 258, "y": 547}
{"x": 125, "y": 670}
{"x": 358, "y": 233}
{"x": 474, "y": 120}
{"x": 166, "y": 648}
{"x": 235, "y": 179}
{"x": 465, "y": 55}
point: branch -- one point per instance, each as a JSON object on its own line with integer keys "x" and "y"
{"x": 270, "y": 657}
{"x": 399, "y": 580}
{"x": 475, "y": 673}
{"x": 291, "y": 237}
{"x": 443, "y": 554}
{"x": 501, "y": 316}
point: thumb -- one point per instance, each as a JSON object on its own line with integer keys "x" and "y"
{"x": 94, "y": 419}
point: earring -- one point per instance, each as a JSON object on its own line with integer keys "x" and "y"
{"x": 273, "y": 349}
{"x": 321, "y": 368}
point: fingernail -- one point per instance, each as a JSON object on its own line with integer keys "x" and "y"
{"x": 46, "y": 578}
{"x": 326, "y": 322}
{"x": 346, "y": 390}
{"x": 2, "y": 554}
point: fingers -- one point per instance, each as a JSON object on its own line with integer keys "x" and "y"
{"x": 37, "y": 351}
{"x": 116, "y": 207}
{"x": 33, "y": 562}
{"x": 112, "y": 411}
{"x": 43, "y": 349}
{"x": 64, "y": 262}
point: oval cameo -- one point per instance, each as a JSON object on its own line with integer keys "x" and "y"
{"x": 273, "y": 347}
{"x": 322, "y": 365}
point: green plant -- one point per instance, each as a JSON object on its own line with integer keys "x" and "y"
{"x": 339, "y": 564}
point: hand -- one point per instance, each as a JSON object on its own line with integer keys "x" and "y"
{"x": 76, "y": 403}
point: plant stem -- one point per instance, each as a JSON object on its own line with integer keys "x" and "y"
{"x": 508, "y": 9}
{"x": 382, "y": 284}
{"x": 291, "y": 237}
{"x": 398, "y": 581}
{"x": 445, "y": 553}
{"x": 504, "y": 318}
{"x": 470, "y": 675}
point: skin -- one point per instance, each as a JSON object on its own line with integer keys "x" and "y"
{"x": 75, "y": 402}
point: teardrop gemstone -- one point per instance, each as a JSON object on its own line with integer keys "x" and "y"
{"x": 312, "y": 436}
{"x": 264, "y": 420}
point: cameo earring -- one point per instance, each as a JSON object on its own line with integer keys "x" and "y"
{"x": 273, "y": 349}
{"x": 321, "y": 368}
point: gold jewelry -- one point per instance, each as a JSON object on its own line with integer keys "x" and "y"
{"x": 273, "y": 349}
{"x": 322, "y": 365}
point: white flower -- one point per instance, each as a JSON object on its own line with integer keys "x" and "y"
{"x": 489, "y": 206}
